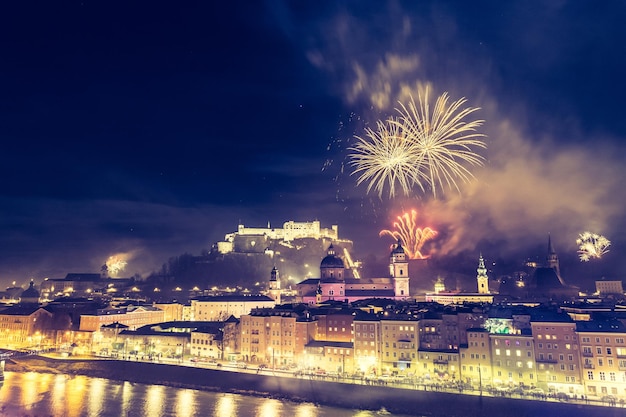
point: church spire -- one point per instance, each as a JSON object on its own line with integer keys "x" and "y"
{"x": 550, "y": 246}
{"x": 553, "y": 259}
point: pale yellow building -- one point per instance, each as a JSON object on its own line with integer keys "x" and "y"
{"x": 268, "y": 336}
{"x": 603, "y": 357}
{"x": 172, "y": 311}
{"x": 331, "y": 357}
{"x": 221, "y": 307}
{"x": 206, "y": 344}
{"x": 513, "y": 360}
{"x": 399, "y": 342}
{"x": 608, "y": 287}
{"x": 476, "y": 358}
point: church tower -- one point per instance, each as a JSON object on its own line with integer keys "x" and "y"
{"x": 481, "y": 277}
{"x": 275, "y": 286}
{"x": 399, "y": 271}
{"x": 332, "y": 279}
{"x": 440, "y": 285}
{"x": 552, "y": 260}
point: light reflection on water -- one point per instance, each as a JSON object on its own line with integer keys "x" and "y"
{"x": 33, "y": 393}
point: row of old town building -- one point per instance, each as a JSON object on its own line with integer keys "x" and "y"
{"x": 572, "y": 348}
{"x": 337, "y": 325}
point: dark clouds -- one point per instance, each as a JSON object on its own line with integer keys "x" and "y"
{"x": 156, "y": 128}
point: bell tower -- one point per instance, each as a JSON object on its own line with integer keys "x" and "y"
{"x": 399, "y": 271}
{"x": 275, "y": 286}
{"x": 481, "y": 276}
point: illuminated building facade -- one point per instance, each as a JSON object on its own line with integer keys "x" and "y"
{"x": 483, "y": 295}
{"x": 144, "y": 342}
{"x": 268, "y": 336}
{"x": 256, "y": 239}
{"x": 332, "y": 357}
{"x": 603, "y": 357}
{"x": 399, "y": 340}
{"x": 609, "y": 287}
{"x": 132, "y": 316}
{"x": 333, "y": 283}
{"x": 367, "y": 343}
{"x": 171, "y": 311}
{"x": 557, "y": 354}
{"x": 335, "y": 326}
{"x": 82, "y": 285}
{"x": 23, "y": 326}
{"x": 438, "y": 345}
{"x": 513, "y": 359}
{"x": 221, "y": 307}
{"x": 476, "y": 358}
{"x": 206, "y": 343}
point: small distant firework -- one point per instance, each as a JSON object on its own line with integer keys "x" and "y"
{"x": 591, "y": 246}
{"x": 411, "y": 236}
{"x": 422, "y": 148}
{"x": 115, "y": 264}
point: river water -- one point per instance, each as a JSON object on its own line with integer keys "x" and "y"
{"x": 42, "y": 395}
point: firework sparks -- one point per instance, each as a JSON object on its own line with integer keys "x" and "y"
{"x": 591, "y": 245}
{"x": 411, "y": 236}
{"x": 442, "y": 140}
{"x": 115, "y": 264}
{"x": 423, "y": 147}
{"x": 384, "y": 158}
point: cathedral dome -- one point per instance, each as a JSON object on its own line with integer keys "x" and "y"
{"x": 30, "y": 295}
{"x": 331, "y": 260}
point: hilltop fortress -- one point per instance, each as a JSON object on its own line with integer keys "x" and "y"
{"x": 257, "y": 239}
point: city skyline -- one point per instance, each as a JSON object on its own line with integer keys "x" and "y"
{"x": 154, "y": 131}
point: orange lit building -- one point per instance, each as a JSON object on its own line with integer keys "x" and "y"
{"x": 556, "y": 353}
{"x": 25, "y": 326}
{"x": 132, "y": 316}
{"x": 269, "y": 336}
{"x": 367, "y": 343}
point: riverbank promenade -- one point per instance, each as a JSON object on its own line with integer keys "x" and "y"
{"x": 396, "y": 396}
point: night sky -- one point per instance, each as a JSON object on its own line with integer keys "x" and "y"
{"x": 151, "y": 129}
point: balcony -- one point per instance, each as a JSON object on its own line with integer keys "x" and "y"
{"x": 546, "y": 360}
{"x": 589, "y": 366}
{"x": 440, "y": 361}
{"x": 587, "y": 354}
